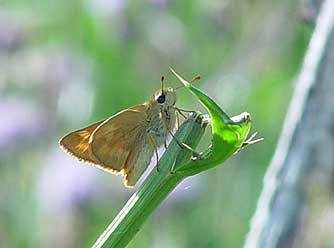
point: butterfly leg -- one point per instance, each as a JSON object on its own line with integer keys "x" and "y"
{"x": 180, "y": 144}
{"x": 172, "y": 169}
{"x": 177, "y": 120}
{"x": 153, "y": 143}
{"x": 195, "y": 155}
{"x": 179, "y": 110}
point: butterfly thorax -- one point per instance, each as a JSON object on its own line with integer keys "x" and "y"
{"x": 161, "y": 120}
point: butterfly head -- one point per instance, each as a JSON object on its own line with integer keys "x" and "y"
{"x": 165, "y": 96}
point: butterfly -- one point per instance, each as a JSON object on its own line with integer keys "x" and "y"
{"x": 125, "y": 143}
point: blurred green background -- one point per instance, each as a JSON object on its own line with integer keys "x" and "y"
{"x": 65, "y": 64}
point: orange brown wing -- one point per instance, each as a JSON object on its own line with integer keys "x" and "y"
{"x": 76, "y": 143}
{"x": 114, "y": 143}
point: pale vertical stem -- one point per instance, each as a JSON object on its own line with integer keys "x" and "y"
{"x": 276, "y": 218}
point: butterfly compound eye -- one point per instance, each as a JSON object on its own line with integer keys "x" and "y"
{"x": 161, "y": 98}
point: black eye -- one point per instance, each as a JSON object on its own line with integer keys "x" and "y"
{"x": 161, "y": 98}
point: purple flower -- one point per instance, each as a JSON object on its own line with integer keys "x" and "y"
{"x": 20, "y": 121}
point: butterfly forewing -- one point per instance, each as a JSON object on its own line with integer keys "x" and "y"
{"x": 118, "y": 138}
{"x": 76, "y": 143}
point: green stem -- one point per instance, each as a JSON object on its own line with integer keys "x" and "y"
{"x": 228, "y": 137}
{"x": 154, "y": 189}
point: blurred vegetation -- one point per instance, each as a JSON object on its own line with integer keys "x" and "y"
{"x": 65, "y": 64}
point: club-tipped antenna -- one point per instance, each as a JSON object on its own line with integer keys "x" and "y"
{"x": 197, "y": 78}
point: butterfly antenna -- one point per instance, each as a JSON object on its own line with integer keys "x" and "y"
{"x": 162, "y": 84}
{"x": 197, "y": 78}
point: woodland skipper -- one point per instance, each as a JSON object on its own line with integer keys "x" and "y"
{"x": 125, "y": 142}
